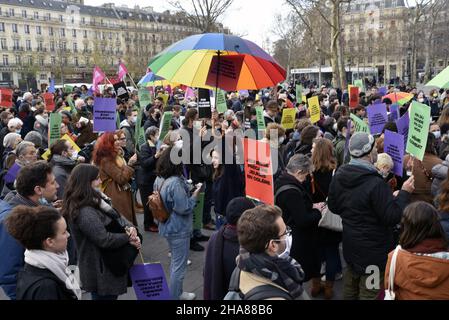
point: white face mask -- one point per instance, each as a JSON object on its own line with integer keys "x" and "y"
{"x": 421, "y": 100}
{"x": 437, "y": 134}
{"x": 335, "y": 127}
{"x": 74, "y": 155}
{"x": 179, "y": 144}
{"x": 281, "y": 140}
{"x": 288, "y": 245}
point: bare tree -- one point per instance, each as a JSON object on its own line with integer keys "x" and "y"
{"x": 203, "y": 14}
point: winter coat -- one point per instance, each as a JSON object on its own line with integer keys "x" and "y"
{"x": 41, "y": 284}
{"x": 179, "y": 204}
{"x": 369, "y": 212}
{"x": 299, "y": 214}
{"x": 439, "y": 173}
{"x": 90, "y": 234}
{"x": 230, "y": 185}
{"x": 152, "y": 123}
{"x": 419, "y": 277}
{"x": 304, "y": 149}
{"x": 87, "y": 135}
{"x": 62, "y": 167}
{"x": 129, "y": 134}
{"x": 222, "y": 249}
{"x": 115, "y": 180}
{"x": 339, "y": 149}
{"x": 423, "y": 184}
{"x": 444, "y": 220}
{"x": 146, "y": 171}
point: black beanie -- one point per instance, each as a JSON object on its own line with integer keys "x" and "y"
{"x": 236, "y": 207}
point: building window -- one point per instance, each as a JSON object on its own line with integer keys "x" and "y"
{"x": 40, "y": 46}
{"x": 75, "y": 61}
{"x": 74, "y": 33}
{"x": 61, "y": 18}
{"x": 48, "y": 16}
{"x": 370, "y": 59}
{"x": 3, "y": 43}
{"x": 75, "y": 47}
{"x": 36, "y": 15}
{"x": 16, "y": 44}
{"x": 14, "y": 28}
{"x": 85, "y": 33}
{"x": 2, "y": 26}
{"x": 361, "y": 60}
{"x": 52, "y": 46}
{"x": 83, "y": 20}
{"x": 30, "y": 60}
{"x": 53, "y": 60}
{"x": 62, "y": 32}
{"x": 27, "y": 29}
{"x": 5, "y": 60}
{"x": 72, "y": 19}
{"x": 18, "y": 60}
{"x": 38, "y": 30}
{"x": 50, "y": 31}
{"x": 28, "y": 45}
{"x": 11, "y": 12}
{"x": 41, "y": 61}
{"x": 24, "y": 13}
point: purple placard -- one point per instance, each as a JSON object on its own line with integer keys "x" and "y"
{"x": 377, "y": 117}
{"x": 394, "y": 112}
{"x": 149, "y": 282}
{"x": 382, "y": 91}
{"x": 105, "y": 114}
{"x": 394, "y": 146}
{"x": 403, "y": 124}
{"x": 12, "y": 173}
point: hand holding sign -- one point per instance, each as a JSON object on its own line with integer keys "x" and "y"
{"x": 409, "y": 185}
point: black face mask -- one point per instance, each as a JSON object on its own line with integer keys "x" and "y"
{"x": 158, "y": 116}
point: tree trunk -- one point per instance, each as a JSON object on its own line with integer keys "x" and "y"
{"x": 341, "y": 62}
{"x": 334, "y": 49}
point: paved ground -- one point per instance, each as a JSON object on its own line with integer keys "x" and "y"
{"x": 155, "y": 249}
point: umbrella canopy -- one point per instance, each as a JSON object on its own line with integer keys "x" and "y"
{"x": 152, "y": 80}
{"x": 441, "y": 80}
{"x": 189, "y": 62}
{"x": 399, "y": 97}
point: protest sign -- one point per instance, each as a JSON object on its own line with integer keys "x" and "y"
{"x": 359, "y": 124}
{"x": 52, "y": 88}
{"x": 54, "y": 132}
{"x": 288, "y": 118}
{"x": 377, "y": 117}
{"x": 140, "y": 138}
{"x": 204, "y": 104}
{"x": 145, "y": 97}
{"x": 258, "y": 171}
{"x": 394, "y": 112}
{"x": 220, "y": 102}
{"x": 403, "y": 124}
{"x": 382, "y": 91}
{"x": 68, "y": 88}
{"x": 149, "y": 282}
{"x": 49, "y": 101}
{"x": 394, "y": 146}
{"x": 299, "y": 93}
{"x": 11, "y": 175}
{"x": 5, "y": 97}
{"x": 418, "y": 129}
{"x": 260, "y": 118}
{"x": 164, "y": 97}
{"x": 121, "y": 91}
{"x": 353, "y": 97}
{"x": 198, "y": 212}
{"x": 314, "y": 109}
{"x": 105, "y": 115}
{"x": 359, "y": 84}
{"x": 72, "y": 143}
{"x": 165, "y": 124}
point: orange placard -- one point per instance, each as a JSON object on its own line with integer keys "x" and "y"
{"x": 49, "y": 101}
{"x": 258, "y": 171}
{"x": 353, "y": 97}
{"x": 6, "y": 97}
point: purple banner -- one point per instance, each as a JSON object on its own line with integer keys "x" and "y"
{"x": 149, "y": 282}
{"x": 394, "y": 146}
{"x": 394, "y": 112}
{"x": 403, "y": 123}
{"x": 105, "y": 115}
{"x": 12, "y": 173}
{"x": 377, "y": 117}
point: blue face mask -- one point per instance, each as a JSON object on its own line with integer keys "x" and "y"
{"x": 43, "y": 201}
{"x": 296, "y": 135}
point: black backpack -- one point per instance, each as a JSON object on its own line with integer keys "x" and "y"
{"x": 262, "y": 292}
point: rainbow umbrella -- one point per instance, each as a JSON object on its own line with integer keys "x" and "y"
{"x": 399, "y": 97}
{"x": 189, "y": 62}
{"x": 152, "y": 80}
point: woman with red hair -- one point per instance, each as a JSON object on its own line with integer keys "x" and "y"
{"x": 115, "y": 173}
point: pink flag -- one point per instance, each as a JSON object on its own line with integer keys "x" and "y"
{"x": 168, "y": 89}
{"x": 122, "y": 71}
{"x": 189, "y": 94}
{"x": 98, "y": 77}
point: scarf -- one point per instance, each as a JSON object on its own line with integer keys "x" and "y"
{"x": 285, "y": 272}
{"x": 57, "y": 264}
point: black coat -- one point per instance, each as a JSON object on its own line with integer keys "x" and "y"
{"x": 41, "y": 284}
{"x": 146, "y": 172}
{"x": 152, "y": 123}
{"x": 230, "y": 185}
{"x": 298, "y": 213}
{"x": 369, "y": 212}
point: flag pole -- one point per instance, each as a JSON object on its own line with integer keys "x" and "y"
{"x": 132, "y": 80}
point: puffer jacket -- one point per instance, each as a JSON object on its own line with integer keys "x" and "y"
{"x": 439, "y": 173}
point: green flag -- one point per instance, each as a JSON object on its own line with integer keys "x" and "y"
{"x": 359, "y": 124}
{"x": 441, "y": 80}
{"x": 299, "y": 93}
{"x": 54, "y": 132}
{"x": 220, "y": 102}
{"x": 418, "y": 129}
{"x": 198, "y": 212}
{"x": 145, "y": 97}
{"x": 165, "y": 124}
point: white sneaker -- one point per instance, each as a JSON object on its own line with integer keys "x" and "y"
{"x": 338, "y": 277}
{"x": 169, "y": 254}
{"x": 187, "y": 296}
{"x": 189, "y": 262}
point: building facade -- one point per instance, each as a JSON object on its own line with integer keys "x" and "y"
{"x": 40, "y": 39}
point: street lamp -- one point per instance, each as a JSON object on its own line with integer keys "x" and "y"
{"x": 409, "y": 62}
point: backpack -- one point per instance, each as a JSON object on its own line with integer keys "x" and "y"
{"x": 262, "y": 292}
{"x": 156, "y": 205}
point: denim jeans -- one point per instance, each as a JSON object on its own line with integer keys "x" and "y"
{"x": 97, "y": 297}
{"x": 331, "y": 255}
{"x": 179, "y": 248}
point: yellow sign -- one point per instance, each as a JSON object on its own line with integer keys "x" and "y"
{"x": 47, "y": 153}
{"x": 314, "y": 109}
{"x": 288, "y": 118}
{"x": 164, "y": 97}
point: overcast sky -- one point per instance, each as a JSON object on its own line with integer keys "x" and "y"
{"x": 251, "y": 18}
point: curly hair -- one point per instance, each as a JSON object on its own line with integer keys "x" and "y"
{"x": 104, "y": 148}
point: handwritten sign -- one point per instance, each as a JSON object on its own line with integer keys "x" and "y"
{"x": 105, "y": 114}
{"x": 314, "y": 109}
{"x": 149, "y": 282}
{"x": 418, "y": 129}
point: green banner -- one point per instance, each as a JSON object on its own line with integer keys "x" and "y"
{"x": 198, "y": 212}
{"x": 220, "y": 102}
{"x": 165, "y": 125}
{"x": 299, "y": 90}
{"x": 418, "y": 129}
{"x": 145, "y": 97}
{"x": 117, "y": 117}
{"x": 359, "y": 124}
{"x": 54, "y": 132}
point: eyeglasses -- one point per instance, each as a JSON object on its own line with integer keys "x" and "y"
{"x": 288, "y": 232}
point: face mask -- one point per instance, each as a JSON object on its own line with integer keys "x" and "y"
{"x": 281, "y": 140}
{"x": 18, "y": 131}
{"x": 98, "y": 189}
{"x": 437, "y": 134}
{"x": 134, "y": 119}
{"x": 326, "y": 104}
{"x": 384, "y": 174}
{"x": 74, "y": 155}
{"x": 43, "y": 201}
{"x": 296, "y": 135}
{"x": 421, "y": 100}
{"x": 179, "y": 144}
{"x": 288, "y": 245}
{"x": 334, "y": 127}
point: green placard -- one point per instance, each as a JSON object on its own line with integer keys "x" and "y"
{"x": 54, "y": 132}
{"x": 145, "y": 97}
{"x": 141, "y": 137}
{"x": 68, "y": 88}
{"x": 359, "y": 124}
{"x": 138, "y": 126}
{"x": 117, "y": 117}
{"x": 220, "y": 102}
{"x": 359, "y": 83}
{"x": 299, "y": 93}
{"x": 71, "y": 104}
{"x": 260, "y": 118}
{"x": 165, "y": 124}
{"x": 418, "y": 130}
{"x": 198, "y": 212}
